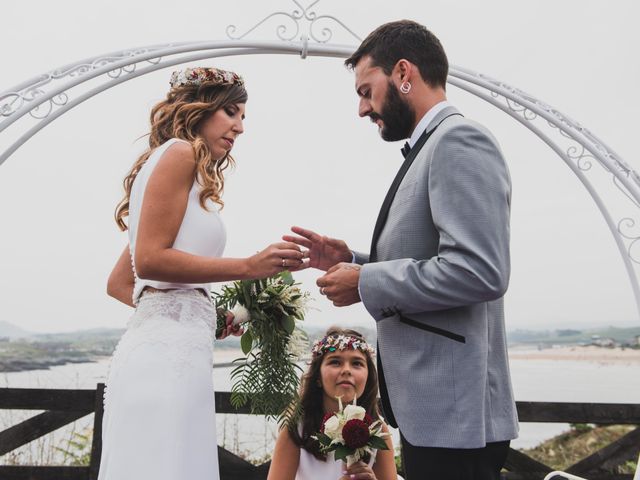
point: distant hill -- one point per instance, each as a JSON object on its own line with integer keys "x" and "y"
{"x": 572, "y": 336}
{"x": 13, "y": 331}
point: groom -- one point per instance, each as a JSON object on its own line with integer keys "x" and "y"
{"x": 438, "y": 267}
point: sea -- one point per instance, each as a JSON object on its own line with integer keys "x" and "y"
{"x": 253, "y": 437}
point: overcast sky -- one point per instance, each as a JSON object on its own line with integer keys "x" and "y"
{"x": 306, "y": 158}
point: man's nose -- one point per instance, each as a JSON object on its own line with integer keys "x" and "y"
{"x": 364, "y": 108}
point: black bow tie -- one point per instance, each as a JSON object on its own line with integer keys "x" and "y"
{"x": 406, "y": 148}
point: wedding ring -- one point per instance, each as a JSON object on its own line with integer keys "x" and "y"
{"x": 284, "y": 263}
{"x": 321, "y": 290}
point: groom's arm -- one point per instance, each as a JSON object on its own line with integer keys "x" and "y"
{"x": 360, "y": 258}
{"x": 469, "y": 193}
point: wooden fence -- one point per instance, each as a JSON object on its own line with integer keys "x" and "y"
{"x": 62, "y": 407}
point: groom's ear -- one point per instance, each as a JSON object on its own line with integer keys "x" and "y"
{"x": 402, "y": 70}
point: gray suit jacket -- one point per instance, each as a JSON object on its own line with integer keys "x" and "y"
{"x": 443, "y": 264}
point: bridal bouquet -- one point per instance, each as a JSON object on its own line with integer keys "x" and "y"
{"x": 351, "y": 433}
{"x": 267, "y": 376}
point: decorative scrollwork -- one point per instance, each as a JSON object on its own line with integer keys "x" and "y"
{"x": 44, "y": 109}
{"x": 625, "y": 227}
{"x": 295, "y": 18}
{"x": 11, "y": 102}
{"x": 583, "y": 153}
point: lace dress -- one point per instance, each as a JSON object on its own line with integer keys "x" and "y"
{"x": 159, "y": 418}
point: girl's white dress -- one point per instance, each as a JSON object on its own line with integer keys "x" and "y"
{"x": 159, "y": 418}
{"x": 310, "y": 468}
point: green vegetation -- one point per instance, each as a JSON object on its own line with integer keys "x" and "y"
{"x": 581, "y": 441}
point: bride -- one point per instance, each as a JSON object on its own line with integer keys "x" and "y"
{"x": 159, "y": 418}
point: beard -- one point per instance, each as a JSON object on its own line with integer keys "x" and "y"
{"x": 397, "y": 116}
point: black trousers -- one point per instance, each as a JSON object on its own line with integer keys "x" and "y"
{"x": 430, "y": 463}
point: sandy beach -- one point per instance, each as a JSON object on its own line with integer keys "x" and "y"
{"x": 577, "y": 353}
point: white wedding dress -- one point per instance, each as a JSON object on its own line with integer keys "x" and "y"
{"x": 159, "y": 418}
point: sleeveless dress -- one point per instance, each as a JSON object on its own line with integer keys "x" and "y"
{"x": 310, "y": 468}
{"x": 159, "y": 410}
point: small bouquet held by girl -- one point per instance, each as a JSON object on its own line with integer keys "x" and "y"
{"x": 268, "y": 309}
{"x": 351, "y": 434}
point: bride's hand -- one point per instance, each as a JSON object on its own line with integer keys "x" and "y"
{"x": 274, "y": 259}
{"x": 359, "y": 471}
{"x": 230, "y": 328}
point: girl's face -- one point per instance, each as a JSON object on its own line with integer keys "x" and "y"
{"x": 222, "y": 128}
{"x": 343, "y": 373}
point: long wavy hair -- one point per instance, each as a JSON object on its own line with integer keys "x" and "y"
{"x": 181, "y": 115}
{"x": 311, "y": 398}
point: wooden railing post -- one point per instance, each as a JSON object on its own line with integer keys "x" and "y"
{"x": 96, "y": 441}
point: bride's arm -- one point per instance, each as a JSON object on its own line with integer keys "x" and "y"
{"x": 163, "y": 208}
{"x": 121, "y": 281}
{"x": 285, "y": 458}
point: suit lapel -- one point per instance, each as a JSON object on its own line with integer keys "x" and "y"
{"x": 388, "y": 200}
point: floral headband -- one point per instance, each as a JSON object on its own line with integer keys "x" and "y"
{"x": 331, "y": 343}
{"x": 200, "y": 75}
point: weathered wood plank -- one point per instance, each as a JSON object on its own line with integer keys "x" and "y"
{"x": 96, "y": 441}
{"x": 46, "y": 399}
{"x": 535, "y": 476}
{"x": 605, "y": 459}
{"x": 43, "y": 473}
{"x": 232, "y": 466}
{"x": 562, "y": 412}
{"x": 35, "y": 427}
{"x": 223, "y": 404}
{"x": 519, "y": 462}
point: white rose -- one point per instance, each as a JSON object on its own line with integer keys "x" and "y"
{"x": 332, "y": 427}
{"x": 240, "y": 315}
{"x": 354, "y": 411}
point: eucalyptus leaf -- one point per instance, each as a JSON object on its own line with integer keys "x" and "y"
{"x": 378, "y": 443}
{"x": 246, "y": 342}
{"x": 287, "y": 278}
{"x": 289, "y": 324}
{"x": 342, "y": 452}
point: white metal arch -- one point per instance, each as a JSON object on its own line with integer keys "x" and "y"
{"x": 35, "y": 103}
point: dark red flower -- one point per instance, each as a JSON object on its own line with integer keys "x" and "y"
{"x": 326, "y": 417}
{"x": 355, "y": 433}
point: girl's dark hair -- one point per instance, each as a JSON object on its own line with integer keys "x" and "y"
{"x": 311, "y": 399}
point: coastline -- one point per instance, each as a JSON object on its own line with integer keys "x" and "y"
{"x": 589, "y": 353}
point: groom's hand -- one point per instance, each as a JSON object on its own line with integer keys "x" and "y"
{"x": 322, "y": 252}
{"x": 340, "y": 284}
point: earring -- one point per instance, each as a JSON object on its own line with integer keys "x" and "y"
{"x": 405, "y": 87}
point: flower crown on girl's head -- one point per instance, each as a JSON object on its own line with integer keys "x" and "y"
{"x": 332, "y": 343}
{"x": 198, "y": 76}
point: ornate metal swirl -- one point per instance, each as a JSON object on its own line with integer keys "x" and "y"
{"x": 623, "y": 189}
{"x": 581, "y": 157}
{"x": 625, "y": 227}
{"x": 11, "y": 102}
{"x": 44, "y": 109}
{"x": 299, "y": 14}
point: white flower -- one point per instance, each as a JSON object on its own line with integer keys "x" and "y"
{"x": 240, "y": 315}
{"x": 354, "y": 411}
{"x": 332, "y": 428}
